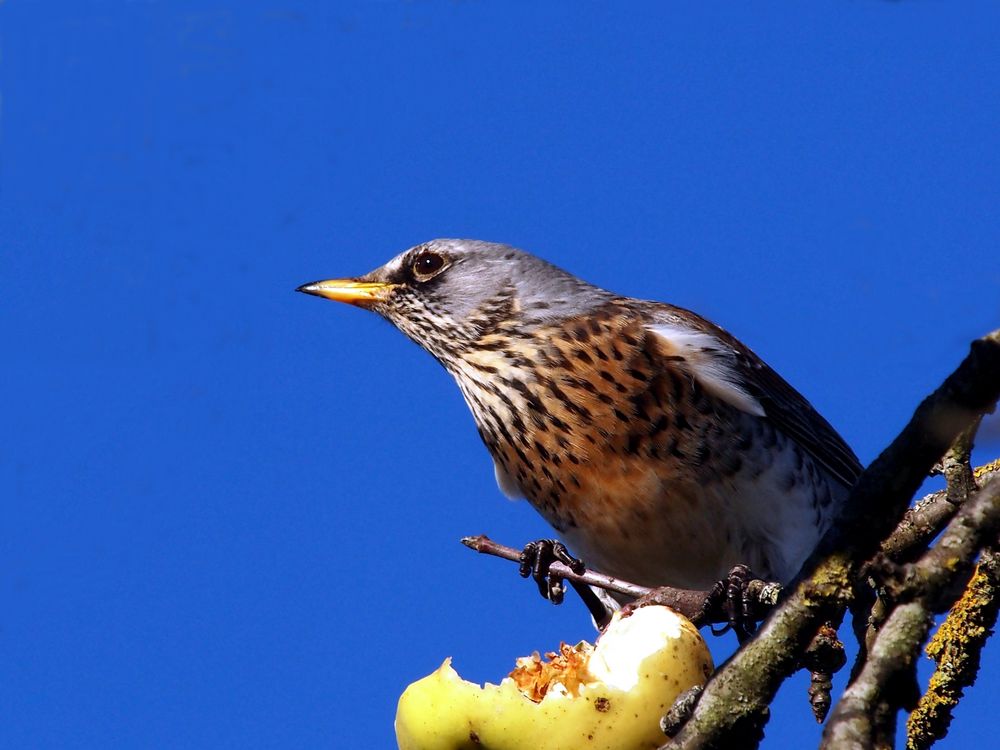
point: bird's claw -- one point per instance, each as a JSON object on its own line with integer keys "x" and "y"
{"x": 536, "y": 561}
{"x": 731, "y": 597}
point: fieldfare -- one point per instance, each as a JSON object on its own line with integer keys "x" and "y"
{"x": 657, "y": 445}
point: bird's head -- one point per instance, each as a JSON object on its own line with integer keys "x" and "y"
{"x": 445, "y": 294}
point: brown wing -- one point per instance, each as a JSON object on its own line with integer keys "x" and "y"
{"x": 732, "y": 371}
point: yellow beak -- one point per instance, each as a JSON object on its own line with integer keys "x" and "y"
{"x": 360, "y": 293}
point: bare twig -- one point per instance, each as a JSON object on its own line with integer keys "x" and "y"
{"x": 925, "y": 519}
{"x": 921, "y": 523}
{"x": 487, "y": 546}
{"x": 954, "y": 555}
{"x": 956, "y": 465}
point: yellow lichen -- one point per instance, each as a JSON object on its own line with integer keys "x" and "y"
{"x": 955, "y": 647}
{"x": 980, "y": 471}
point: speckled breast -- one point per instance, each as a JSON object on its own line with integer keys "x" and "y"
{"x": 642, "y": 471}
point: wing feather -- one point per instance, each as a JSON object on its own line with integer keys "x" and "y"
{"x": 729, "y": 370}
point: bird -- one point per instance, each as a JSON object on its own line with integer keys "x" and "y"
{"x": 658, "y": 446}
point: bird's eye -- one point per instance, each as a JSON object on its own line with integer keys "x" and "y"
{"x": 427, "y": 264}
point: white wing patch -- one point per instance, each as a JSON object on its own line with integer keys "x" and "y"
{"x": 710, "y": 362}
{"x": 506, "y": 483}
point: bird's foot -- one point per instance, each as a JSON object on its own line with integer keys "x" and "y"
{"x": 536, "y": 562}
{"x": 731, "y": 598}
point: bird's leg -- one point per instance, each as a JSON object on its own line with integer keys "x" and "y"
{"x": 599, "y": 609}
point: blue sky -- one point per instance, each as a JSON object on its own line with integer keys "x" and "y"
{"x": 231, "y": 513}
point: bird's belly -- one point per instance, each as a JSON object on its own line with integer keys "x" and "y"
{"x": 669, "y": 542}
{"x": 655, "y": 526}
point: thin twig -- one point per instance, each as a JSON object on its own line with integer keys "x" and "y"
{"x": 957, "y": 468}
{"x": 925, "y": 519}
{"x": 487, "y": 546}
{"x": 955, "y": 553}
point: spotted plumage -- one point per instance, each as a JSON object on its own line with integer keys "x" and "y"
{"x": 658, "y": 446}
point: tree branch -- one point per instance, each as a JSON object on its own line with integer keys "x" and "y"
{"x": 925, "y": 519}
{"x": 855, "y": 722}
{"x": 956, "y": 648}
{"x": 733, "y": 709}
{"x": 886, "y": 682}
